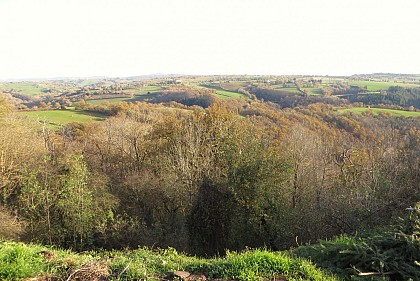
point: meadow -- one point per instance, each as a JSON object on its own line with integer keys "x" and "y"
{"x": 99, "y": 101}
{"x": 26, "y": 88}
{"x": 313, "y": 91}
{"x": 62, "y": 117}
{"x": 293, "y": 90}
{"x": 144, "y": 90}
{"x": 138, "y": 94}
{"x": 376, "y": 111}
{"x": 233, "y": 86}
{"x": 373, "y": 86}
{"x": 222, "y": 93}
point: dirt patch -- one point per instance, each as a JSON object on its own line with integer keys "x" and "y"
{"x": 47, "y": 255}
{"x": 89, "y": 271}
{"x": 186, "y": 276}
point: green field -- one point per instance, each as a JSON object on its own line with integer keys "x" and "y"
{"x": 89, "y": 82}
{"x": 377, "y": 85}
{"x": 376, "y": 111}
{"x": 26, "y": 88}
{"x": 99, "y": 101}
{"x": 234, "y": 86}
{"x": 144, "y": 90}
{"x": 290, "y": 87}
{"x": 294, "y": 90}
{"x": 139, "y": 94}
{"x": 313, "y": 91}
{"x": 62, "y": 117}
{"x": 223, "y": 94}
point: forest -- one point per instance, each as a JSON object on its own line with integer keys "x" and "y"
{"x": 238, "y": 173}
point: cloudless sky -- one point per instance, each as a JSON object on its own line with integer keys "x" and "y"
{"x": 75, "y": 38}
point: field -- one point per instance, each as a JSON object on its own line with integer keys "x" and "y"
{"x": 138, "y": 94}
{"x": 376, "y": 111}
{"x": 233, "y": 86}
{"x": 99, "y": 101}
{"x": 223, "y": 94}
{"x": 313, "y": 91}
{"x": 89, "y": 82}
{"x": 62, "y": 117}
{"x": 26, "y": 88}
{"x": 373, "y": 86}
{"x": 144, "y": 90}
{"x": 293, "y": 90}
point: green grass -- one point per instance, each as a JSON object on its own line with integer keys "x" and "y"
{"x": 234, "y": 86}
{"x": 144, "y": 90}
{"x": 313, "y": 91}
{"x": 62, "y": 117}
{"x": 139, "y": 94}
{"x": 89, "y": 82}
{"x": 293, "y": 90}
{"x": 373, "y": 86}
{"x": 99, "y": 101}
{"x": 376, "y": 111}
{"x": 223, "y": 94}
{"x": 19, "y": 261}
{"x": 26, "y": 88}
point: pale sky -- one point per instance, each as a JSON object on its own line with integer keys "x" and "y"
{"x": 116, "y": 38}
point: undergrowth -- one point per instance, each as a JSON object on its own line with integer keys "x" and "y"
{"x": 392, "y": 254}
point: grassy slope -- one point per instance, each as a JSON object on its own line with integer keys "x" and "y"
{"x": 234, "y": 86}
{"x": 99, "y": 101}
{"x": 377, "y": 86}
{"x": 26, "y": 88}
{"x": 223, "y": 94}
{"x": 138, "y": 95}
{"x": 290, "y": 90}
{"x": 376, "y": 111}
{"x": 310, "y": 91}
{"x": 19, "y": 261}
{"x": 62, "y": 117}
{"x": 313, "y": 91}
{"x": 144, "y": 90}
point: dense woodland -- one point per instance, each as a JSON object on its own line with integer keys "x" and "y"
{"x": 236, "y": 174}
{"x": 396, "y": 95}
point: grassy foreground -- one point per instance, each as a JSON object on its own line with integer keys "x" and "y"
{"x": 20, "y": 261}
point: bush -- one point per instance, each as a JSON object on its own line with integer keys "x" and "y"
{"x": 388, "y": 255}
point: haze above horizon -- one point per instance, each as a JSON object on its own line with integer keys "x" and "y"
{"x": 58, "y": 38}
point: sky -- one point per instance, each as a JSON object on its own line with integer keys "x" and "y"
{"x": 118, "y": 38}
